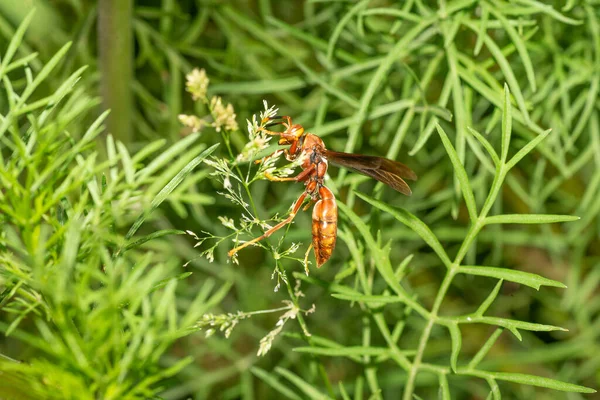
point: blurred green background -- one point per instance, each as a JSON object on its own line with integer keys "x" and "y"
{"x": 371, "y": 77}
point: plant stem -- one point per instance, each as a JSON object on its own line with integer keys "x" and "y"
{"x": 302, "y": 324}
{"x": 450, "y": 273}
{"x": 115, "y": 43}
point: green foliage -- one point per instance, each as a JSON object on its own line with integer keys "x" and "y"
{"x": 98, "y": 310}
{"x": 493, "y": 104}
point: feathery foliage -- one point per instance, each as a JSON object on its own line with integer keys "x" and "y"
{"x": 493, "y": 104}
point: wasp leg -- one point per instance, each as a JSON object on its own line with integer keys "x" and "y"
{"x": 280, "y": 225}
{"x": 302, "y": 176}
{"x": 286, "y": 120}
{"x": 268, "y": 132}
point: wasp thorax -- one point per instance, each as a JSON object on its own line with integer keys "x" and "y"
{"x": 297, "y": 130}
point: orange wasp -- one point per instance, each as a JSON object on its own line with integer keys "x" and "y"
{"x": 315, "y": 159}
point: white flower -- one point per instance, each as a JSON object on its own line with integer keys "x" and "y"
{"x": 257, "y": 142}
{"x": 197, "y": 83}
{"x": 224, "y": 115}
{"x": 227, "y": 183}
{"x": 269, "y": 112}
{"x": 192, "y": 121}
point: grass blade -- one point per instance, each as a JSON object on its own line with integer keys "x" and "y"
{"x": 162, "y": 195}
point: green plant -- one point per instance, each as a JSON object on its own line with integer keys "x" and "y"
{"x": 395, "y": 292}
{"x": 93, "y": 301}
{"x": 374, "y": 77}
{"x": 477, "y": 176}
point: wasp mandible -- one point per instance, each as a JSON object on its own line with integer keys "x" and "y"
{"x": 315, "y": 159}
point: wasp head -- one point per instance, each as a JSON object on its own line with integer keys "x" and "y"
{"x": 291, "y": 134}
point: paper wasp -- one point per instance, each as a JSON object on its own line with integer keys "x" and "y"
{"x": 314, "y": 162}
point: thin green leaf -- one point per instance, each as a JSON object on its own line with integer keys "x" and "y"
{"x": 253, "y": 28}
{"x": 506, "y": 70}
{"x": 485, "y": 349}
{"x": 400, "y": 272}
{"x": 337, "y": 31}
{"x": 148, "y": 149}
{"x": 352, "y": 351}
{"x": 482, "y": 28}
{"x": 451, "y": 31}
{"x": 529, "y": 219}
{"x": 418, "y": 226}
{"x": 378, "y": 300}
{"x": 343, "y": 391}
{"x": 43, "y": 74}
{"x": 382, "y": 261}
{"x": 30, "y": 88}
{"x": 162, "y": 195}
{"x": 584, "y": 116}
{"x": 273, "y": 381}
{"x": 524, "y": 278}
{"x": 400, "y": 48}
{"x": 154, "y": 235}
{"x": 526, "y": 149}
{"x": 511, "y": 324}
{"x": 456, "y": 337}
{"x": 461, "y": 174}
{"x": 549, "y": 10}
{"x": 489, "y": 300}
{"x": 486, "y": 144}
{"x": 495, "y": 389}
{"x": 15, "y": 42}
{"x": 519, "y": 45}
{"x": 506, "y": 124}
{"x": 167, "y": 157}
{"x": 309, "y": 390}
{"x": 528, "y": 380}
{"x": 21, "y": 62}
{"x": 128, "y": 167}
{"x": 392, "y": 12}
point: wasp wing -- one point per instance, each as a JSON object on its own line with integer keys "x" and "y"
{"x": 390, "y": 172}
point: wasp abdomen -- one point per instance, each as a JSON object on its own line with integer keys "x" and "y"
{"x": 324, "y": 226}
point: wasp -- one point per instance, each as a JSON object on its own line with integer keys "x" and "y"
{"x": 315, "y": 160}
